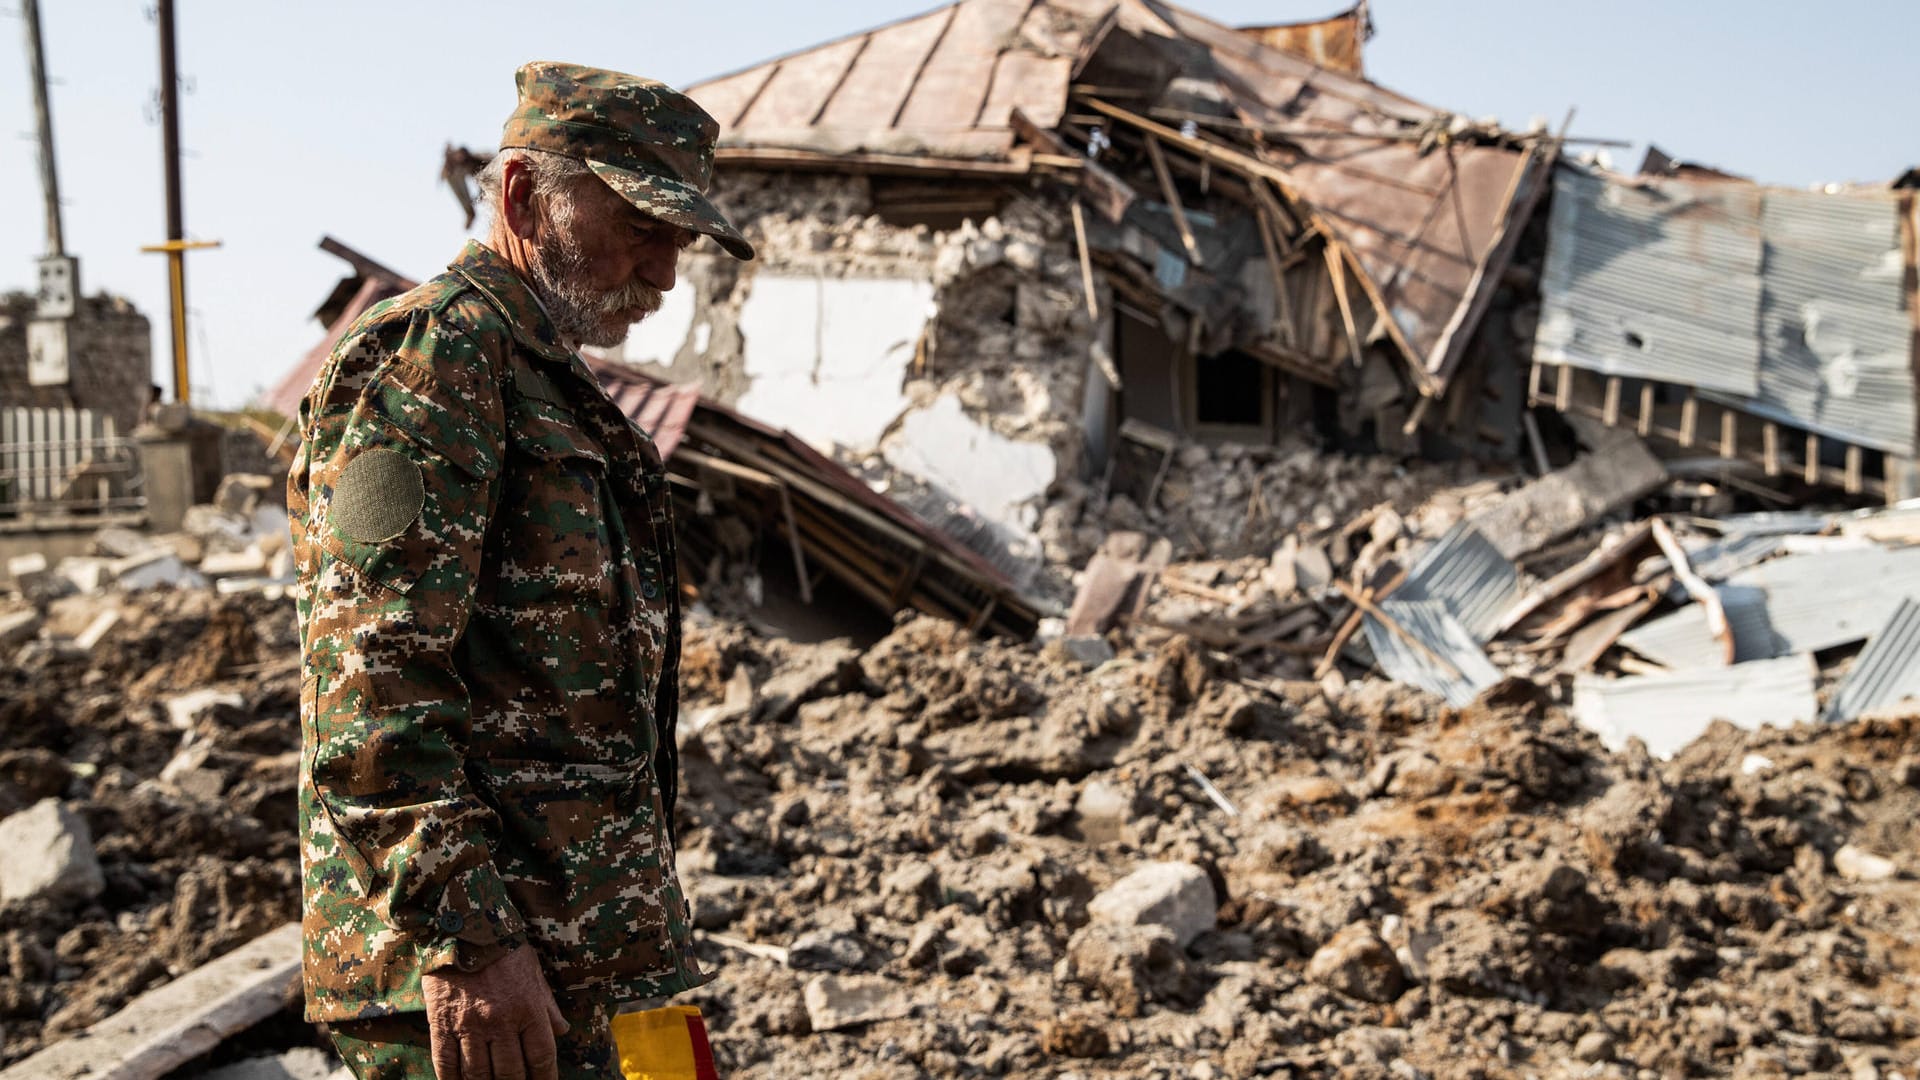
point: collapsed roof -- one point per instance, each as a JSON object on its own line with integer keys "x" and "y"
{"x": 1415, "y": 202}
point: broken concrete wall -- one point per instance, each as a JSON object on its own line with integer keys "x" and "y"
{"x": 110, "y": 359}
{"x": 957, "y": 355}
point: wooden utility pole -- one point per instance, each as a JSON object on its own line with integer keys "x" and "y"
{"x": 177, "y": 244}
{"x": 43, "y": 121}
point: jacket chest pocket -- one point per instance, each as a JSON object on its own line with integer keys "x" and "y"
{"x": 553, "y": 537}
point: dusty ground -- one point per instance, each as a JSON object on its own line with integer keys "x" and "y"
{"x": 1406, "y": 890}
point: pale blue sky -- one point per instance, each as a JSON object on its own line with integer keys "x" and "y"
{"x": 306, "y": 119}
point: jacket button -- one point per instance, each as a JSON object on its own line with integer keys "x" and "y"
{"x": 451, "y": 922}
{"x": 649, "y": 590}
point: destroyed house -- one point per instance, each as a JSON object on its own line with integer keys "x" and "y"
{"x": 1012, "y": 243}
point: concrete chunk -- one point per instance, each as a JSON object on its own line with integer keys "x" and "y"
{"x": 248, "y": 562}
{"x": 153, "y": 569}
{"x": 1177, "y": 896}
{"x": 118, "y": 543}
{"x": 843, "y": 1001}
{"x": 18, "y": 626}
{"x": 87, "y": 574}
{"x": 49, "y": 855}
{"x": 1358, "y": 964}
{"x": 186, "y": 708}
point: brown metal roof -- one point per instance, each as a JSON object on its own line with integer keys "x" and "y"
{"x": 939, "y": 85}
{"x": 1422, "y": 213}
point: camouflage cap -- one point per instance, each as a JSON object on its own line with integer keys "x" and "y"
{"x": 648, "y": 141}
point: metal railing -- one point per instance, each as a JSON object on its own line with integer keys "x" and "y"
{"x": 61, "y": 463}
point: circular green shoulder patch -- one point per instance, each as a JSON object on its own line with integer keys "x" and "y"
{"x": 377, "y": 496}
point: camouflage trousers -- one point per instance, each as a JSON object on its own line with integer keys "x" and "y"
{"x": 397, "y": 1047}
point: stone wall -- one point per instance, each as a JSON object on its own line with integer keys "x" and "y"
{"x": 110, "y": 359}
{"x": 958, "y": 355}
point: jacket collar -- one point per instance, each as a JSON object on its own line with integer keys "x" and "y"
{"x": 508, "y": 292}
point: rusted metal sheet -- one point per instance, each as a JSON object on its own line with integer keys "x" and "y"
{"x": 953, "y": 85}
{"x": 1021, "y": 77}
{"x": 728, "y": 97}
{"x": 801, "y": 85}
{"x": 939, "y": 85}
{"x": 1333, "y": 43}
{"x": 877, "y": 86}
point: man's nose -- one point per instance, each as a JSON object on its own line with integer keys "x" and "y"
{"x": 657, "y": 264}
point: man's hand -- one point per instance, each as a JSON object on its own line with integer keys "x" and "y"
{"x": 497, "y": 1023}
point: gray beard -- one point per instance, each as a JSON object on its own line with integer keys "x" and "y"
{"x": 583, "y": 315}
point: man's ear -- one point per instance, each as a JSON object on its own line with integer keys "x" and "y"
{"x": 516, "y": 198}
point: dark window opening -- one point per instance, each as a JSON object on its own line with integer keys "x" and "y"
{"x": 1229, "y": 389}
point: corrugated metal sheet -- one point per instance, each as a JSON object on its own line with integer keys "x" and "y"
{"x": 1835, "y": 338}
{"x": 1436, "y": 628}
{"x": 1656, "y": 281}
{"x": 1731, "y": 554}
{"x": 1464, "y": 572}
{"x": 1886, "y": 672}
{"x": 1333, "y": 42}
{"x": 1682, "y": 641}
{"x": 1804, "y": 603}
{"x": 1669, "y": 711}
{"x": 1786, "y": 304}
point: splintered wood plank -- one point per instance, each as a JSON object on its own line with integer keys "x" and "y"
{"x": 1036, "y": 85}
{"x": 726, "y": 100}
{"x": 801, "y": 87}
{"x": 171, "y": 1025}
{"x": 877, "y": 85}
{"x": 954, "y": 83}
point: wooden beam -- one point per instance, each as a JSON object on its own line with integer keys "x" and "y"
{"x": 1337, "y": 273}
{"x": 1251, "y": 166}
{"x": 1283, "y": 304}
{"x": 1086, "y": 261}
{"x": 1645, "y": 424}
{"x": 1172, "y": 195}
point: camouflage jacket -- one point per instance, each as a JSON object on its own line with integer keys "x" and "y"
{"x": 489, "y": 629}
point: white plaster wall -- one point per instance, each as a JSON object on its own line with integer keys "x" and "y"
{"x": 1001, "y": 478}
{"x": 826, "y": 357}
{"x": 657, "y": 338}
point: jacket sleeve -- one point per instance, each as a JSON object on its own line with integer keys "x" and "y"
{"x": 403, "y": 460}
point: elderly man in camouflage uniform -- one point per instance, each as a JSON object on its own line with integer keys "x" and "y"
{"x": 489, "y": 618}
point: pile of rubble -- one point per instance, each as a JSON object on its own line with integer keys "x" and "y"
{"x": 238, "y": 543}
{"x": 1188, "y": 833}
{"x": 944, "y": 857}
{"x": 147, "y": 797}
